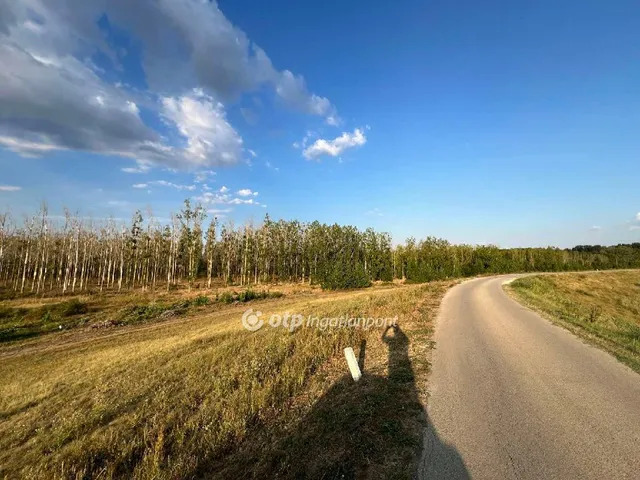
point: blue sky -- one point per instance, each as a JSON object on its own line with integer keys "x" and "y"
{"x": 514, "y": 123}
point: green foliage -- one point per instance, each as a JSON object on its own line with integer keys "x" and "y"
{"x": 436, "y": 259}
{"x": 341, "y": 277}
{"x": 201, "y": 300}
{"x": 20, "y": 323}
{"x": 141, "y": 313}
{"x": 146, "y": 254}
{"x": 226, "y": 297}
{"x": 247, "y": 296}
{"x": 73, "y": 307}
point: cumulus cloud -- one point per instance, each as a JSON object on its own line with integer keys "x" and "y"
{"x": 202, "y": 122}
{"x": 336, "y": 146}
{"x": 140, "y": 185}
{"x": 9, "y": 188}
{"x": 212, "y": 198}
{"x": 54, "y": 98}
{"x": 222, "y": 197}
{"x": 243, "y": 201}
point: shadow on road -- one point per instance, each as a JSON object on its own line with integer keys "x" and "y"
{"x": 376, "y": 428}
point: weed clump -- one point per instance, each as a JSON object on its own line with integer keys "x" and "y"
{"x": 73, "y": 307}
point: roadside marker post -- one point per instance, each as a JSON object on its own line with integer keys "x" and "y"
{"x": 352, "y": 363}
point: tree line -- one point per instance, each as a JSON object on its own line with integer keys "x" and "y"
{"x": 42, "y": 255}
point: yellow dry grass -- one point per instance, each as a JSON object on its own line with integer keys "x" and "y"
{"x": 201, "y": 397}
{"x": 602, "y": 307}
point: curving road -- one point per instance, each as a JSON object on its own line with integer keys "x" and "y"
{"x": 515, "y": 397}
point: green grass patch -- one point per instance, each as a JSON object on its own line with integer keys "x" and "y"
{"x": 246, "y": 296}
{"x": 18, "y": 323}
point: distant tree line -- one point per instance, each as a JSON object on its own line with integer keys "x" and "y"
{"x": 41, "y": 255}
{"x": 436, "y": 259}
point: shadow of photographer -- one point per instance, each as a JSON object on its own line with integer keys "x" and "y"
{"x": 375, "y": 428}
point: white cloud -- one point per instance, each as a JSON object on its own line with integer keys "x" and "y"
{"x": 209, "y": 198}
{"x": 243, "y": 201}
{"x": 219, "y": 212}
{"x": 635, "y": 223}
{"x": 269, "y": 165}
{"x": 249, "y": 115}
{"x": 54, "y": 97}
{"x": 305, "y": 140}
{"x": 201, "y": 176}
{"x": 9, "y": 188}
{"x": 376, "y": 212}
{"x": 223, "y": 198}
{"x": 252, "y": 153}
{"x": 139, "y": 185}
{"x": 595, "y": 228}
{"x": 210, "y": 139}
{"x": 143, "y": 167}
{"x": 293, "y": 91}
{"x": 27, "y": 148}
{"x": 333, "y": 120}
{"x": 164, "y": 183}
{"x": 245, "y": 192}
{"x": 336, "y": 146}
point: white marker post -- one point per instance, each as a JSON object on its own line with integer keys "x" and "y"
{"x": 352, "y": 362}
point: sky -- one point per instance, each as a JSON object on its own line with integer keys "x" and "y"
{"x": 511, "y": 123}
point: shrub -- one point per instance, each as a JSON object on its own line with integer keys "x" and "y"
{"x": 73, "y": 307}
{"x": 226, "y": 297}
{"x": 345, "y": 277}
{"x": 200, "y": 300}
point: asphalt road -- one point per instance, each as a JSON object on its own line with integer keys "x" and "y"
{"x": 515, "y": 397}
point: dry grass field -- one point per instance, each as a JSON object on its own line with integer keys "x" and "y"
{"x": 601, "y": 307}
{"x": 113, "y": 386}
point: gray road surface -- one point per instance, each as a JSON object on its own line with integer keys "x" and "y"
{"x": 515, "y": 397}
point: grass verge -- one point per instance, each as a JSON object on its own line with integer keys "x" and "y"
{"x": 601, "y": 307}
{"x": 202, "y": 397}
